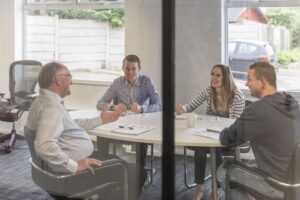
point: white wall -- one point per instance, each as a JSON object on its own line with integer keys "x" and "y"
{"x": 143, "y": 35}
{"x": 199, "y": 46}
{"x": 7, "y": 41}
{"x": 198, "y": 41}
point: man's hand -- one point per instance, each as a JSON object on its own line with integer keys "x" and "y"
{"x": 179, "y": 109}
{"x": 120, "y": 108}
{"x": 88, "y": 164}
{"x": 109, "y": 116}
{"x": 135, "y": 107}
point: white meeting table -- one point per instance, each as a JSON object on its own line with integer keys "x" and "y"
{"x": 183, "y": 135}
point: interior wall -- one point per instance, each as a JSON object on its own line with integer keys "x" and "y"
{"x": 7, "y": 47}
{"x": 198, "y": 43}
{"x": 143, "y": 35}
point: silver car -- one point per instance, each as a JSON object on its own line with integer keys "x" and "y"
{"x": 243, "y": 53}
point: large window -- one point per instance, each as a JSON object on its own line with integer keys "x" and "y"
{"x": 265, "y": 31}
{"x": 86, "y": 35}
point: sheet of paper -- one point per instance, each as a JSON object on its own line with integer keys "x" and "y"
{"x": 184, "y": 116}
{"x": 205, "y": 133}
{"x": 132, "y": 129}
{"x": 201, "y": 117}
{"x": 216, "y": 129}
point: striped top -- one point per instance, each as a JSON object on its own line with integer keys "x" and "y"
{"x": 235, "y": 109}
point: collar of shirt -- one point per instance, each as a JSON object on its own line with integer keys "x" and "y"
{"x": 51, "y": 94}
{"x": 137, "y": 81}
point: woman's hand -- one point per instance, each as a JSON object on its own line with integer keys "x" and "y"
{"x": 179, "y": 109}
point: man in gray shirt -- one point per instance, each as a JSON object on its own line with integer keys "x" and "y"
{"x": 272, "y": 126}
{"x": 60, "y": 141}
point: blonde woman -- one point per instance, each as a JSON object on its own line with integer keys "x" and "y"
{"x": 223, "y": 99}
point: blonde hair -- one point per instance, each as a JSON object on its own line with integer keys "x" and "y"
{"x": 228, "y": 87}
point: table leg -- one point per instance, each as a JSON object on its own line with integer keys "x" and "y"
{"x": 138, "y": 155}
{"x": 213, "y": 172}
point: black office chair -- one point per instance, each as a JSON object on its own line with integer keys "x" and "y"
{"x": 104, "y": 183}
{"x": 290, "y": 187}
{"x": 23, "y": 76}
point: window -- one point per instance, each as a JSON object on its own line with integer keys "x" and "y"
{"x": 231, "y": 47}
{"x": 264, "y": 31}
{"x": 88, "y": 36}
{"x": 246, "y": 49}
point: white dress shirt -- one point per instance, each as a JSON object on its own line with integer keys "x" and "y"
{"x": 60, "y": 140}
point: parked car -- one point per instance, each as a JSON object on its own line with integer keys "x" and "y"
{"x": 243, "y": 53}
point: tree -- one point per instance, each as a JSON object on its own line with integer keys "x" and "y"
{"x": 288, "y": 18}
{"x": 114, "y": 16}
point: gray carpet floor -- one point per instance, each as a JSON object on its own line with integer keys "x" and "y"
{"x": 16, "y": 182}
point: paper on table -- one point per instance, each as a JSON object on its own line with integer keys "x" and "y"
{"x": 216, "y": 129}
{"x": 184, "y": 116}
{"x": 202, "y": 117}
{"x": 205, "y": 133}
{"x": 132, "y": 129}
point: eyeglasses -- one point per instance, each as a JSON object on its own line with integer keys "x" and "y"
{"x": 68, "y": 75}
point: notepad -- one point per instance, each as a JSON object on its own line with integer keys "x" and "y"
{"x": 216, "y": 129}
{"x": 207, "y": 134}
{"x": 132, "y": 129}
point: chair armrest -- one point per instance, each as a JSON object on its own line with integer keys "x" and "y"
{"x": 63, "y": 184}
{"x": 2, "y": 94}
{"x": 31, "y": 96}
{"x": 281, "y": 185}
{"x": 106, "y": 163}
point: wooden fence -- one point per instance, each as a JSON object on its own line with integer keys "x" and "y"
{"x": 80, "y": 44}
{"x": 278, "y": 37}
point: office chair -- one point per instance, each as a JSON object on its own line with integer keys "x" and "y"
{"x": 23, "y": 76}
{"x": 290, "y": 187}
{"x": 231, "y": 152}
{"x": 109, "y": 181}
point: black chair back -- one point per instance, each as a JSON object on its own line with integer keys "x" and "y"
{"x": 23, "y": 75}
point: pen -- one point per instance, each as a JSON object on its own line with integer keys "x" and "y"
{"x": 126, "y": 127}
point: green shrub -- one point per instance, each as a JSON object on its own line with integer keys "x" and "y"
{"x": 288, "y": 56}
{"x": 114, "y": 16}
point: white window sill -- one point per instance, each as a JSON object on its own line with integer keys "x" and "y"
{"x": 91, "y": 82}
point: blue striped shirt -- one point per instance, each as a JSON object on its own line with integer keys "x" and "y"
{"x": 142, "y": 92}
